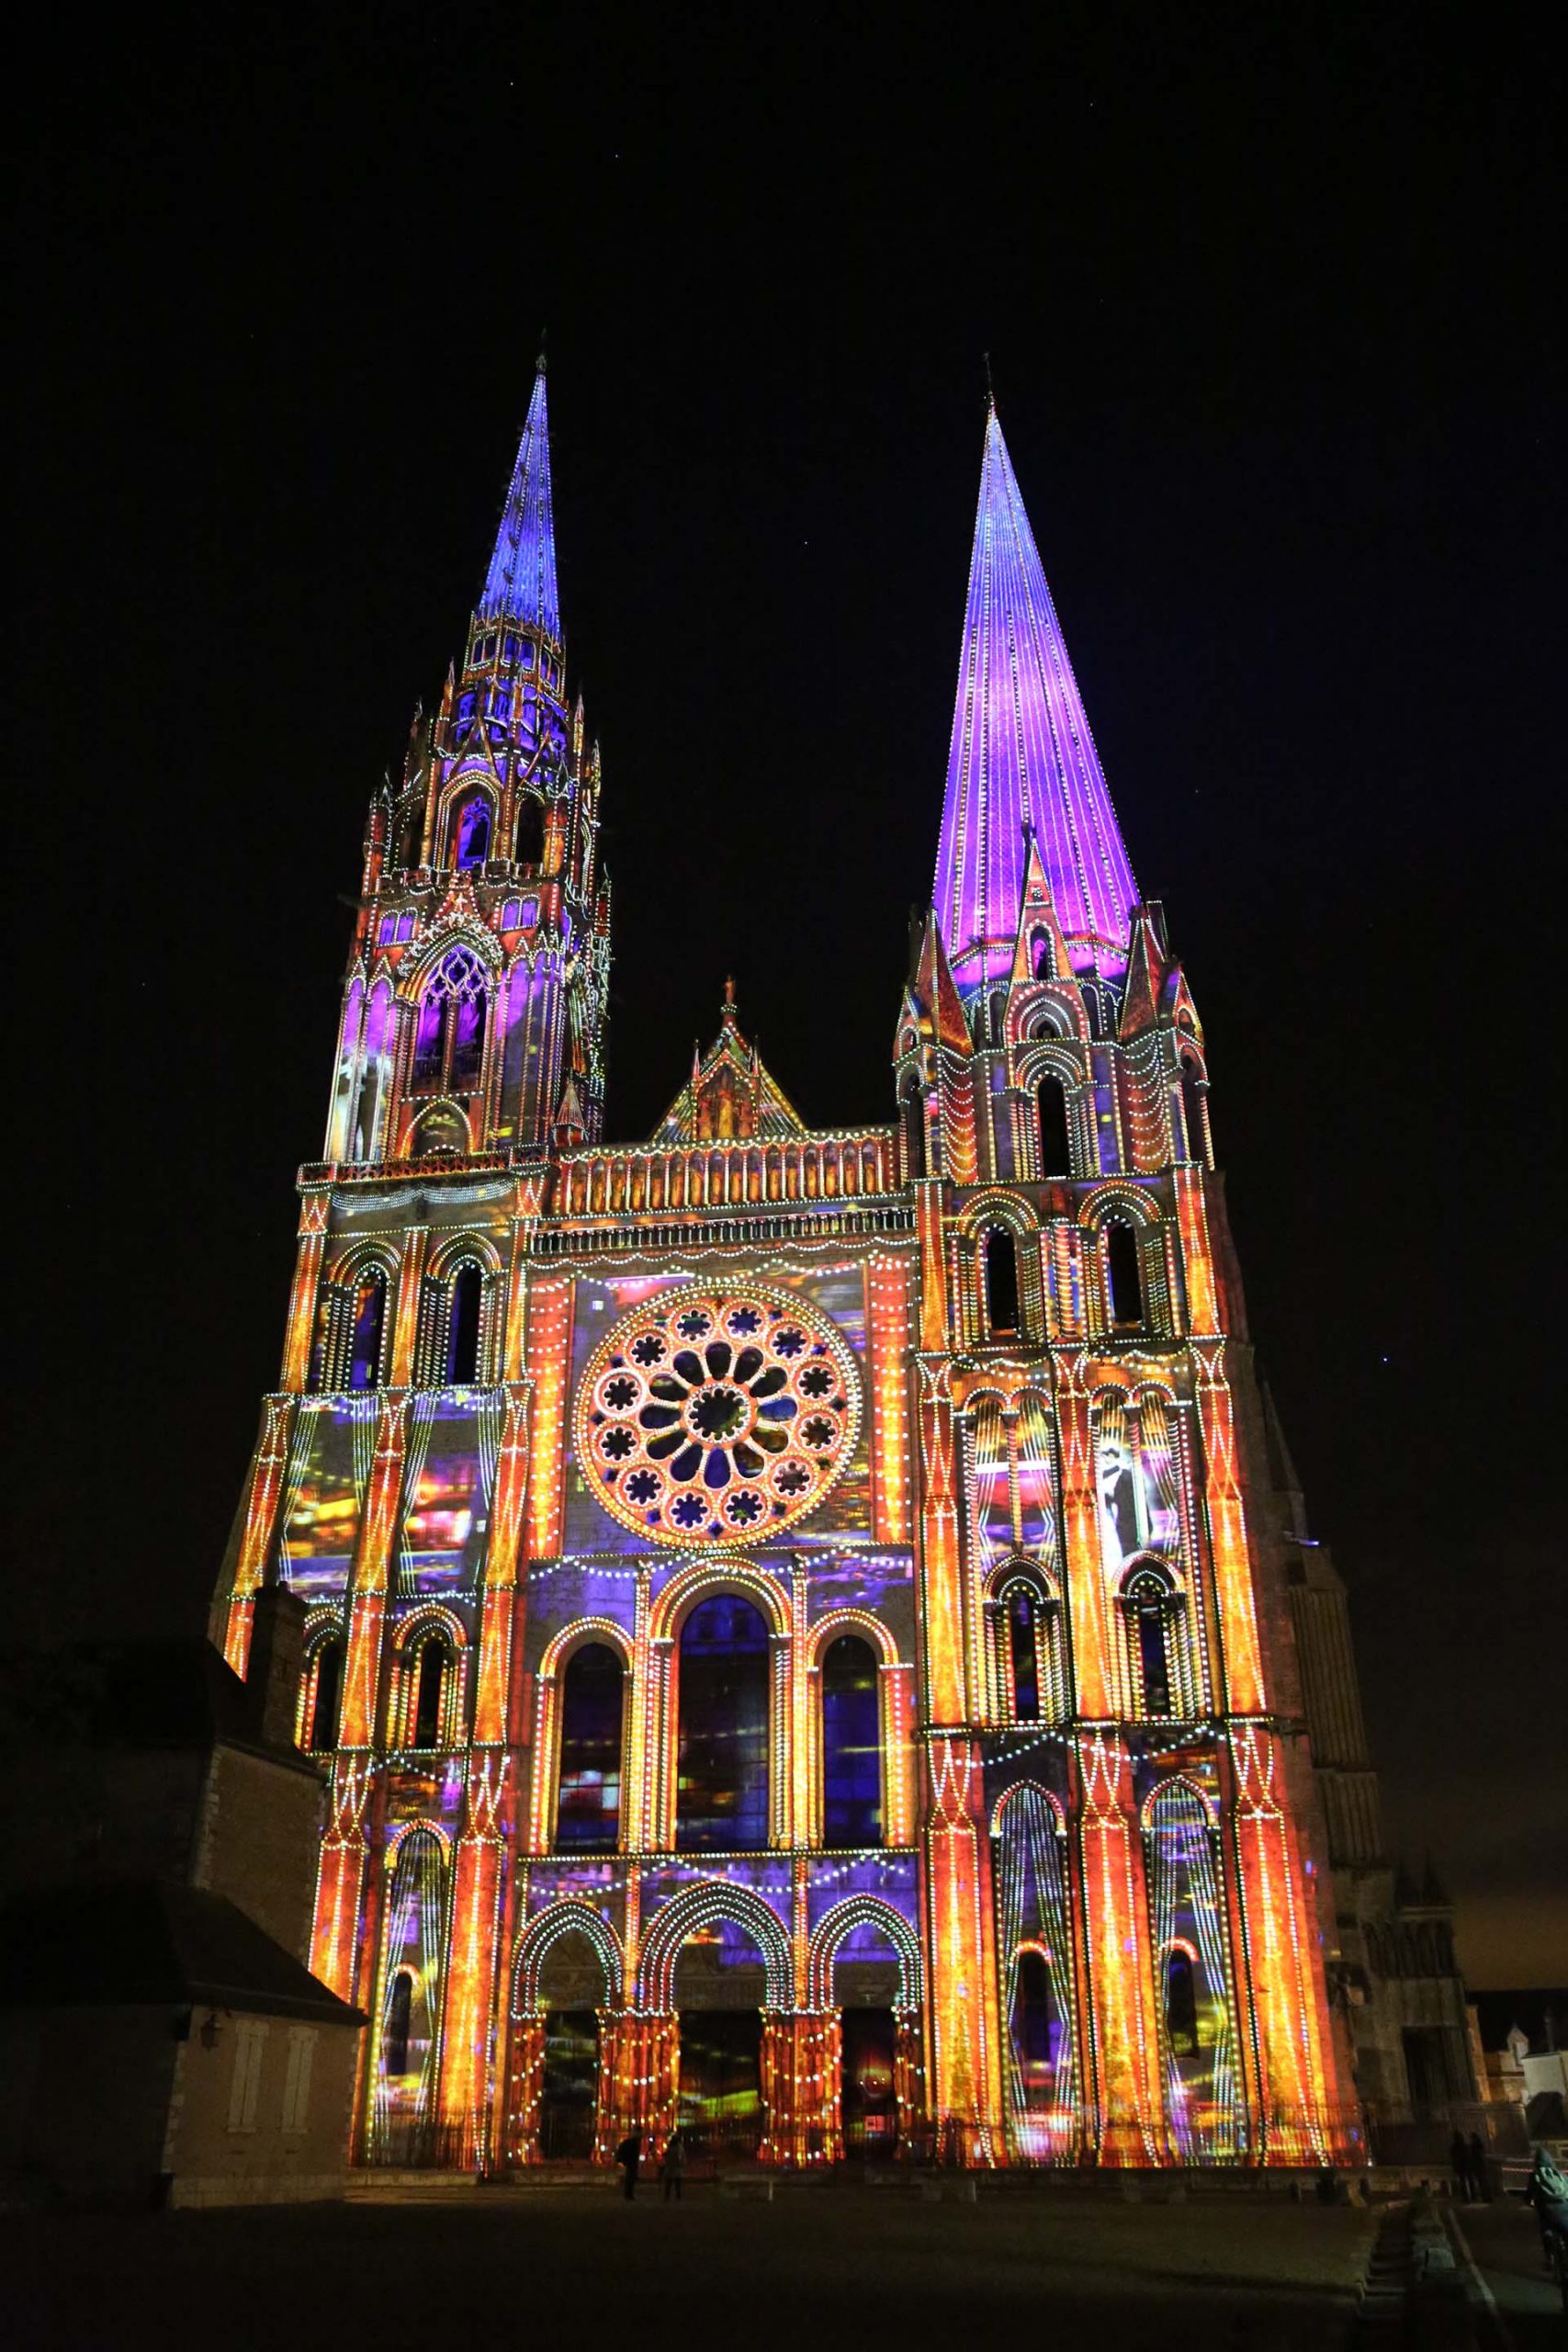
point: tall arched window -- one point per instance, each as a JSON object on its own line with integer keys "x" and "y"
{"x": 1124, "y": 1273}
{"x": 473, "y": 831}
{"x": 531, "y": 831}
{"x": 449, "y": 1039}
{"x": 431, "y": 1666}
{"x": 1150, "y": 1605}
{"x": 852, "y": 1745}
{"x": 1036, "y": 2032}
{"x": 1051, "y": 1108}
{"x": 1042, "y": 961}
{"x": 365, "y": 1333}
{"x": 912, "y": 1112}
{"x": 399, "y": 2025}
{"x": 588, "y": 1810}
{"x": 1023, "y": 1653}
{"x": 721, "y": 1792}
{"x": 326, "y": 1681}
{"x": 1193, "y": 1109}
{"x": 1181, "y": 2003}
{"x": 463, "y": 1321}
{"x": 1001, "y": 1281}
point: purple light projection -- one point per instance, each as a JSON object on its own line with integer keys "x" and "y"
{"x": 521, "y": 583}
{"x": 1023, "y": 754}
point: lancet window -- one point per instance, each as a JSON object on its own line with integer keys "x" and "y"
{"x": 592, "y": 1703}
{"x": 1193, "y": 1111}
{"x": 367, "y": 1330}
{"x": 1027, "y": 1647}
{"x": 472, "y": 831}
{"x": 1194, "y": 1995}
{"x": 1051, "y": 1114}
{"x": 999, "y": 1258}
{"x": 321, "y": 1694}
{"x": 449, "y": 1037}
{"x": 1153, "y": 1612}
{"x": 852, "y": 1745}
{"x": 464, "y": 1319}
{"x": 410, "y": 1999}
{"x": 1124, "y": 1273}
{"x": 721, "y": 1799}
{"x": 1030, "y": 1880}
{"x": 429, "y": 1691}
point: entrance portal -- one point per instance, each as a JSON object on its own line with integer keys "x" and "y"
{"x": 569, "y": 2093}
{"x": 870, "y": 2110}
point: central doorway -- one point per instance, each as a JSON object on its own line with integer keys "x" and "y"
{"x": 720, "y": 1987}
{"x": 569, "y": 2094}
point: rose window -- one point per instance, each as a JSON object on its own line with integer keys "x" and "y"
{"x": 706, "y": 1417}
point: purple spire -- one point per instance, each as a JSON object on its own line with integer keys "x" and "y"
{"x": 1021, "y": 754}
{"x": 521, "y": 583}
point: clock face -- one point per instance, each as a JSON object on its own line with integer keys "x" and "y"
{"x": 714, "y": 1416}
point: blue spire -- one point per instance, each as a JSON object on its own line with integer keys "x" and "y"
{"x": 521, "y": 583}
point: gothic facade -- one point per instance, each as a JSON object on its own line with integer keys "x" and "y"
{"x": 799, "y": 1621}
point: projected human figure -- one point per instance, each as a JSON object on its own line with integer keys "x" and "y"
{"x": 1121, "y": 1517}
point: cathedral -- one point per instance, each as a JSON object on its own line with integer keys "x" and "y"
{"x": 803, "y": 1628}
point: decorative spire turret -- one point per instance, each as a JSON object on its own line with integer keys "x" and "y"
{"x": 519, "y": 586}
{"x": 1022, "y": 762}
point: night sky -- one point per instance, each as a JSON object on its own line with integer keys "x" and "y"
{"x": 1265, "y": 297}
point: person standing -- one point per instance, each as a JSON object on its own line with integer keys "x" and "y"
{"x": 1478, "y": 2187}
{"x": 629, "y": 2156}
{"x": 1459, "y": 2164}
{"x": 671, "y": 2167}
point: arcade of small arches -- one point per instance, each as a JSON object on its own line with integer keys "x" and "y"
{"x": 795, "y": 2033}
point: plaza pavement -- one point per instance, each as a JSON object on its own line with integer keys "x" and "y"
{"x": 820, "y": 2267}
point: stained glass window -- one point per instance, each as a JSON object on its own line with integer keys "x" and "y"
{"x": 721, "y": 1801}
{"x": 852, "y": 1750}
{"x": 592, "y": 1690}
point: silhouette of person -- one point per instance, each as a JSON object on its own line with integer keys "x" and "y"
{"x": 629, "y": 2156}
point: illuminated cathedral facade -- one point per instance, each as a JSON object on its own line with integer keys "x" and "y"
{"x": 799, "y": 1637}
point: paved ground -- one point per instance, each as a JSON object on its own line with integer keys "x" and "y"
{"x": 1525, "y": 2313}
{"x": 817, "y": 2268}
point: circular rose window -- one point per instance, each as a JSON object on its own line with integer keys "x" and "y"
{"x": 712, "y": 1415}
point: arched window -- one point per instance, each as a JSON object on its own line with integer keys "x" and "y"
{"x": 1123, "y": 1272}
{"x": 429, "y": 1671}
{"x": 1051, "y": 1108}
{"x": 999, "y": 1015}
{"x": 588, "y": 1810}
{"x": 1150, "y": 1604}
{"x": 852, "y": 1745}
{"x": 721, "y": 1795}
{"x": 531, "y": 831}
{"x": 1002, "y": 1282}
{"x": 463, "y": 1320}
{"x": 398, "y": 2025}
{"x": 912, "y": 1112}
{"x": 1193, "y": 1109}
{"x": 365, "y": 1333}
{"x": 450, "y": 1035}
{"x": 1036, "y": 2032}
{"x": 1181, "y": 2004}
{"x": 326, "y": 1681}
{"x": 1023, "y": 1653}
{"x": 473, "y": 831}
{"x": 1042, "y": 961}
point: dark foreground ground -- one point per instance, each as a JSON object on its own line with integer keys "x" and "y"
{"x": 1520, "y": 2309}
{"x": 577, "y": 2268}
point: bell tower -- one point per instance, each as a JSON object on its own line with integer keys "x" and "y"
{"x": 474, "y": 1004}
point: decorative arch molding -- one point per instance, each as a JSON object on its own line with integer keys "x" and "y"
{"x": 538, "y": 1940}
{"x": 398, "y": 1836}
{"x": 469, "y": 1246}
{"x": 1178, "y": 1783}
{"x": 355, "y": 1260}
{"x": 458, "y": 931}
{"x": 993, "y": 1208}
{"x": 702, "y": 1580}
{"x": 859, "y": 1621}
{"x": 1109, "y": 1200}
{"x": 1153, "y": 1564}
{"x": 430, "y": 1617}
{"x": 1023, "y": 1567}
{"x": 862, "y": 1911}
{"x": 581, "y": 1631}
{"x": 440, "y": 1110}
{"x": 1051, "y": 1056}
{"x": 700, "y": 1906}
{"x": 1020, "y": 1795}
{"x": 325, "y": 1622}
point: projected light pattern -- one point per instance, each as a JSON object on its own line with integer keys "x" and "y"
{"x": 1021, "y": 757}
{"x": 776, "y": 1682}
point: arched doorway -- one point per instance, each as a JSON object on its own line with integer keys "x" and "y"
{"x": 720, "y": 1990}
{"x": 571, "y": 1991}
{"x": 866, "y": 1991}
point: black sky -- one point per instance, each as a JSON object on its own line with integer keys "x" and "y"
{"x": 1266, "y": 294}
